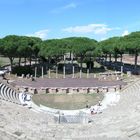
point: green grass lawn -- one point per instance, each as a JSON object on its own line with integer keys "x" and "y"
{"x": 69, "y": 101}
{"x": 6, "y": 61}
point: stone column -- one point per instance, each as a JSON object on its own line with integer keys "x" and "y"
{"x": 49, "y": 73}
{"x": 72, "y": 57}
{"x": 73, "y": 72}
{"x": 64, "y": 72}
{"x": 42, "y": 73}
{"x": 95, "y": 76}
{"x": 56, "y": 72}
{"x": 87, "y": 73}
{"x": 80, "y": 73}
{"x": 121, "y": 71}
{"x": 35, "y": 72}
{"x": 22, "y": 75}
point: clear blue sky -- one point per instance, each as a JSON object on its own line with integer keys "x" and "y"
{"x": 97, "y": 19}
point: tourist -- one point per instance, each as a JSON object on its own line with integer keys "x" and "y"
{"x": 99, "y": 103}
{"x": 93, "y": 111}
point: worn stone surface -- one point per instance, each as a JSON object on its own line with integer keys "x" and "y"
{"x": 119, "y": 122}
{"x": 138, "y": 132}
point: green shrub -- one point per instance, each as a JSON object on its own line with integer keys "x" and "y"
{"x": 19, "y": 70}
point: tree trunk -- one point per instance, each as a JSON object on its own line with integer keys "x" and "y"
{"x": 19, "y": 61}
{"x": 64, "y": 58}
{"x": 25, "y": 61}
{"x": 49, "y": 60}
{"x": 116, "y": 57}
{"x": 11, "y": 63}
{"x": 72, "y": 59}
{"x": 106, "y": 57}
{"x": 70, "y": 55}
{"x": 35, "y": 60}
{"x": 30, "y": 60}
{"x": 136, "y": 58}
{"x": 109, "y": 57}
{"x": 121, "y": 57}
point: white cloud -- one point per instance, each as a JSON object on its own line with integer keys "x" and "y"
{"x": 126, "y": 32}
{"x": 70, "y": 5}
{"x": 41, "y": 34}
{"x": 91, "y": 28}
{"x": 63, "y": 8}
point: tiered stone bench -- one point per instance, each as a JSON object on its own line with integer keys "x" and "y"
{"x": 8, "y": 94}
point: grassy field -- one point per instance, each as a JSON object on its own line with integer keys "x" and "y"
{"x": 70, "y": 101}
{"x": 6, "y": 61}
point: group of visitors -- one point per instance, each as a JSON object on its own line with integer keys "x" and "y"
{"x": 96, "y": 109}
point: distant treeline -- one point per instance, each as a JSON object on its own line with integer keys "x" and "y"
{"x": 82, "y": 48}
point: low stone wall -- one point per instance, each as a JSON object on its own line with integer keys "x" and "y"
{"x": 69, "y": 90}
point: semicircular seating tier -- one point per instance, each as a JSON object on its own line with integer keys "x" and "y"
{"x": 9, "y": 94}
